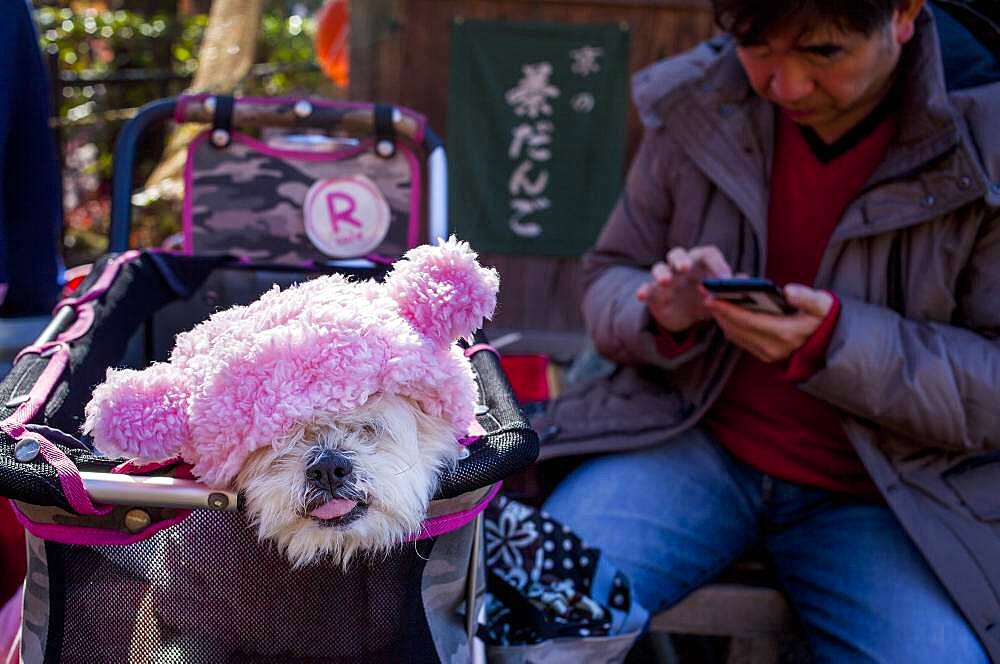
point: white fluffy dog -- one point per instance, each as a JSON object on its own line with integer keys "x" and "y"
{"x": 344, "y": 482}
{"x": 332, "y": 406}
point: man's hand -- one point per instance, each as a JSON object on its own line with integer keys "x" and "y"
{"x": 769, "y": 337}
{"x": 673, "y": 294}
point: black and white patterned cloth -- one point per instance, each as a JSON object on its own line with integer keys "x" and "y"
{"x": 544, "y": 583}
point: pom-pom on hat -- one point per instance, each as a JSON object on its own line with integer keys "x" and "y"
{"x": 247, "y": 376}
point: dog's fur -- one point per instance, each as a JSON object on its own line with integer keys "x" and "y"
{"x": 397, "y": 452}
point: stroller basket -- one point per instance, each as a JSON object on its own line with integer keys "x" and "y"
{"x": 134, "y": 583}
{"x": 141, "y": 564}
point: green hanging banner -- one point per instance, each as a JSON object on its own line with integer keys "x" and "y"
{"x": 536, "y": 134}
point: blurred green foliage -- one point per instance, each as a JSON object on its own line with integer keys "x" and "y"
{"x": 105, "y": 63}
{"x": 94, "y": 44}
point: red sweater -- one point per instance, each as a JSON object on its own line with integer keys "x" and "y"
{"x": 762, "y": 417}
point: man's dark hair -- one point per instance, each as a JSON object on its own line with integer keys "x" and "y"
{"x": 750, "y": 21}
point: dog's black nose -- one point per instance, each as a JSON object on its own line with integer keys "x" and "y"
{"x": 330, "y": 470}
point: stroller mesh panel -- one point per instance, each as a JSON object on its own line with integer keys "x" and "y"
{"x": 507, "y": 450}
{"x": 206, "y": 591}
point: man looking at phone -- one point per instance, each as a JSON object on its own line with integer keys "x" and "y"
{"x": 857, "y": 440}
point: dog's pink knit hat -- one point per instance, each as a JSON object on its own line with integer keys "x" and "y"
{"x": 245, "y": 377}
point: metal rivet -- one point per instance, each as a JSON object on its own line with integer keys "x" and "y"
{"x": 385, "y": 148}
{"x": 210, "y": 104}
{"x": 27, "y": 449}
{"x": 137, "y": 520}
{"x": 219, "y": 501}
{"x": 464, "y": 453}
{"x": 928, "y": 201}
{"x": 964, "y": 182}
{"x": 17, "y": 401}
{"x": 303, "y": 109}
{"x": 220, "y": 138}
{"x": 481, "y": 409}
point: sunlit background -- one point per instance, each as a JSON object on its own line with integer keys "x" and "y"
{"x": 106, "y": 59}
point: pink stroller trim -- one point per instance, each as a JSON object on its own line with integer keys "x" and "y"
{"x": 98, "y": 536}
{"x": 10, "y": 628}
{"x": 84, "y": 536}
{"x": 449, "y": 522}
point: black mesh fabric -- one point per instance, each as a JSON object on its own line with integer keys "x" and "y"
{"x": 510, "y": 446}
{"x": 207, "y": 592}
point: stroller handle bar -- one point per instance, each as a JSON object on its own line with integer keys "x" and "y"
{"x": 359, "y": 120}
{"x": 143, "y": 491}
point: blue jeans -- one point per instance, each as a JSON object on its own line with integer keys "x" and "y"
{"x": 674, "y": 516}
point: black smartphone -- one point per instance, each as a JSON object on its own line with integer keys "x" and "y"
{"x": 752, "y": 293}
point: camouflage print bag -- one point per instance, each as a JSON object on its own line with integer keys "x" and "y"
{"x": 275, "y": 202}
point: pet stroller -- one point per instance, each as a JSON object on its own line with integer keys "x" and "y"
{"x": 140, "y": 564}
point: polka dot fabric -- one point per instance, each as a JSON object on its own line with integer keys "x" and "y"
{"x": 541, "y": 581}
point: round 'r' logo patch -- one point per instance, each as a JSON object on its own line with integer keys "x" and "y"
{"x": 346, "y": 217}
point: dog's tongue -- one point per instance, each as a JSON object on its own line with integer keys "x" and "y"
{"x": 333, "y": 509}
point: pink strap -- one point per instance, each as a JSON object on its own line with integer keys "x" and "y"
{"x": 449, "y": 522}
{"x": 84, "y": 319}
{"x": 66, "y": 470}
{"x": 14, "y": 424}
{"x": 69, "y": 478}
{"x": 472, "y": 350}
{"x": 58, "y": 354}
{"x": 103, "y": 282}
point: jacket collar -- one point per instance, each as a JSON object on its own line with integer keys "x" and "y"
{"x": 928, "y": 123}
{"x": 728, "y": 131}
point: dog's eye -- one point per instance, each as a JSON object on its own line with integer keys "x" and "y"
{"x": 370, "y": 429}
